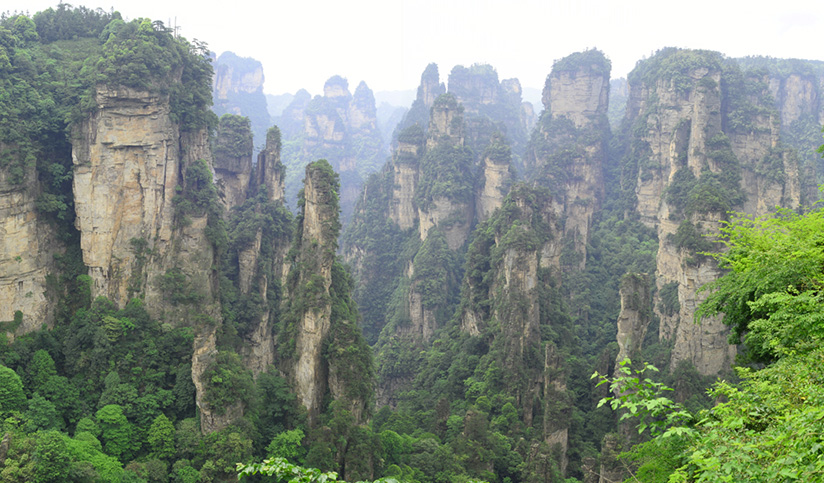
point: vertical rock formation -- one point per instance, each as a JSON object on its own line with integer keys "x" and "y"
{"x": 269, "y": 171}
{"x": 706, "y": 141}
{"x": 405, "y": 170}
{"x": 679, "y": 118}
{"x": 501, "y": 299}
{"x": 131, "y": 160}
{"x": 635, "y": 316}
{"x": 233, "y": 159}
{"x": 490, "y": 106}
{"x": 445, "y": 177}
{"x": 567, "y": 153}
{"x": 127, "y": 167}
{"x": 430, "y": 89}
{"x": 322, "y": 322}
{"x": 494, "y": 179}
{"x": 27, "y": 248}
{"x": 342, "y": 129}
{"x": 237, "y": 88}
{"x": 258, "y": 241}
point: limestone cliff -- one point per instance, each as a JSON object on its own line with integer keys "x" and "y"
{"x": 269, "y": 171}
{"x": 567, "y": 152}
{"x": 429, "y": 89}
{"x": 233, "y": 159}
{"x": 490, "y": 106}
{"x": 635, "y": 316}
{"x": 128, "y": 165}
{"x": 258, "y": 241}
{"x": 317, "y": 287}
{"x": 707, "y": 140}
{"x": 130, "y": 161}
{"x": 27, "y": 247}
{"x": 343, "y": 129}
{"x": 495, "y": 177}
{"x": 237, "y": 88}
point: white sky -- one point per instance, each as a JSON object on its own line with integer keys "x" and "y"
{"x": 388, "y": 43}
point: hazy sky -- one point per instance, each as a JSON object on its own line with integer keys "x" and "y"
{"x": 388, "y": 43}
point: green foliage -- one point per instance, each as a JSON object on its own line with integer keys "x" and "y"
{"x": 592, "y": 60}
{"x": 198, "y": 197}
{"x": 768, "y": 428}
{"x": 51, "y": 455}
{"x": 117, "y": 432}
{"x": 639, "y": 396}
{"x": 228, "y": 382}
{"x": 771, "y": 294}
{"x": 12, "y": 397}
{"x": 234, "y": 137}
{"x": 161, "y": 438}
{"x": 675, "y": 66}
{"x": 446, "y": 172}
{"x": 346, "y": 350}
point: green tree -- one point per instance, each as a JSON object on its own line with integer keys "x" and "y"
{"x": 117, "y": 432}
{"x": 11, "y": 391}
{"x": 52, "y": 457}
{"x": 161, "y": 438}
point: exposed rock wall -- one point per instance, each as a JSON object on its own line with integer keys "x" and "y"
{"x": 635, "y": 316}
{"x": 27, "y": 248}
{"x": 233, "y": 160}
{"x": 707, "y": 139}
{"x": 568, "y": 152}
{"x": 130, "y": 159}
{"x": 127, "y": 166}
{"x": 315, "y": 258}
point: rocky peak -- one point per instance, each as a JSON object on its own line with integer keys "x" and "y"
{"x": 235, "y": 74}
{"x": 362, "y": 110}
{"x": 569, "y": 152}
{"x": 269, "y": 170}
{"x": 431, "y": 86}
{"x": 578, "y": 87}
{"x": 477, "y": 85}
{"x": 446, "y": 121}
{"x": 233, "y": 159}
{"x": 336, "y": 86}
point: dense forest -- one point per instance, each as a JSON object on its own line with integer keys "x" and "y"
{"x": 623, "y": 284}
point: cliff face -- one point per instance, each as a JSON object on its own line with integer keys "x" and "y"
{"x": 127, "y": 167}
{"x": 237, "y": 88}
{"x": 233, "y": 159}
{"x": 495, "y": 177}
{"x": 490, "y": 106}
{"x": 568, "y": 150}
{"x": 27, "y": 248}
{"x": 343, "y": 129}
{"x": 319, "y": 360}
{"x": 429, "y": 89}
{"x": 710, "y": 142}
{"x": 130, "y": 162}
